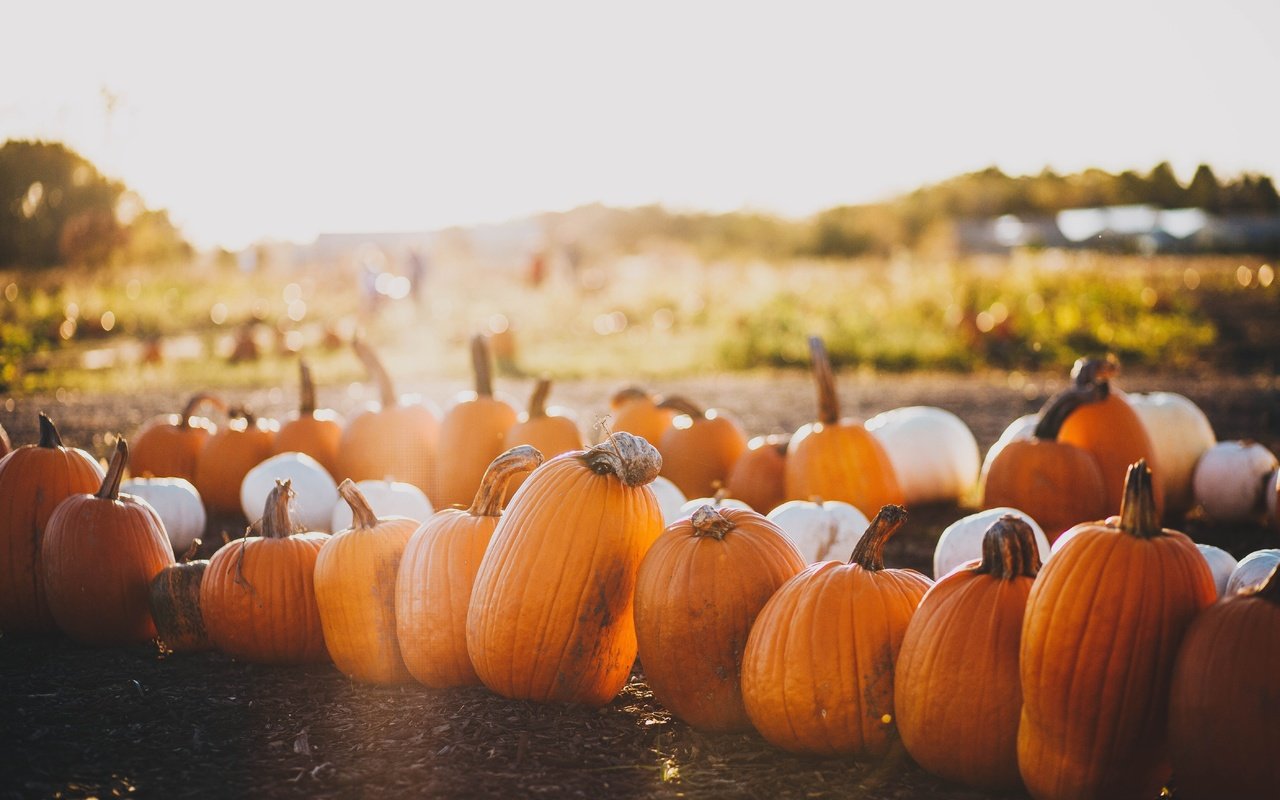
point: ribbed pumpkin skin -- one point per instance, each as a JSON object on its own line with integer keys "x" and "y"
{"x": 169, "y": 449}
{"x": 549, "y": 434}
{"x": 396, "y": 441}
{"x": 699, "y": 458}
{"x": 471, "y": 436}
{"x": 551, "y": 612}
{"x": 840, "y": 461}
{"x": 1113, "y": 433}
{"x": 1224, "y": 711}
{"x": 1058, "y": 485}
{"x": 318, "y": 434}
{"x": 696, "y": 598}
{"x": 759, "y": 478}
{"x": 33, "y": 480}
{"x": 226, "y": 458}
{"x": 175, "y": 607}
{"x": 1104, "y": 621}
{"x": 635, "y": 412}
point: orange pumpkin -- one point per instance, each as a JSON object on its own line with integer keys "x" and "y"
{"x": 551, "y": 611}
{"x": 258, "y": 594}
{"x": 355, "y": 582}
{"x": 1104, "y": 621}
{"x": 1224, "y": 708}
{"x": 698, "y": 591}
{"x": 817, "y": 674}
{"x": 759, "y": 478}
{"x": 633, "y": 410}
{"x": 438, "y": 570}
{"x": 228, "y": 455}
{"x": 549, "y": 434}
{"x": 33, "y": 479}
{"x": 838, "y": 459}
{"x": 316, "y": 432}
{"x": 957, "y": 690}
{"x": 471, "y": 434}
{"x": 100, "y": 552}
{"x": 700, "y": 448}
{"x": 169, "y": 446}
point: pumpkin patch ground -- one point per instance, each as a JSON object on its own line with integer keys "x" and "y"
{"x": 78, "y": 721}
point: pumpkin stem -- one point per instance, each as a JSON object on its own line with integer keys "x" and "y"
{"x": 869, "y": 552}
{"x": 722, "y": 494}
{"x": 362, "y": 516}
{"x": 538, "y": 400}
{"x": 190, "y": 553}
{"x": 708, "y": 521}
{"x": 824, "y": 377}
{"x": 1138, "y": 516}
{"x": 1062, "y": 405}
{"x": 373, "y": 365}
{"x": 197, "y": 400}
{"x": 480, "y": 362}
{"x": 488, "y": 499}
{"x": 307, "y": 390}
{"x": 626, "y": 456}
{"x": 49, "y": 437}
{"x": 1096, "y": 372}
{"x": 110, "y": 489}
{"x": 277, "y": 521}
{"x": 627, "y": 395}
{"x": 682, "y": 405}
{"x": 1009, "y": 550}
{"x": 1269, "y": 589}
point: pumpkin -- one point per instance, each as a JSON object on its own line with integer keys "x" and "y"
{"x": 174, "y": 599}
{"x": 471, "y": 434}
{"x": 962, "y": 540}
{"x": 720, "y": 500}
{"x": 759, "y": 477}
{"x": 820, "y": 529}
{"x": 1103, "y": 624}
{"x": 1251, "y": 571}
{"x": 1224, "y": 731}
{"x": 633, "y": 410}
{"x": 1021, "y": 429}
{"x": 34, "y": 478}
{"x": 550, "y": 432}
{"x": 438, "y": 571}
{"x": 933, "y": 453}
{"x": 313, "y": 489}
{"x": 700, "y": 448}
{"x": 957, "y": 689}
{"x": 1221, "y": 563}
{"x": 670, "y": 499}
{"x": 355, "y": 583}
{"x": 1110, "y": 430}
{"x": 178, "y": 504}
{"x": 698, "y": 590}
{"x": 387, "y": 499}
{"x": 259, "y": 592}
{"x": 838, "y": 459}
{"x": 393, "y": 441}
{"x": 1230, "y": 480}
{"x": 817, "y": 673}
{"x": 314, "y": 431}
{"x": 100, "y": 553}
{"x": 169, "y": 446}
{"x": 228, "y": 455}
{"x": 1180, "y": 433}
{"x": 551, "y": 612}
{"x": 1055, "y": 483}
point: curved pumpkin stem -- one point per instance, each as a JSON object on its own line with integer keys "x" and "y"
{"x": 825, "y": 378}
{"x": 1270, "y": 588}
{"x": 306, "y": 391}
{"x": 1138, "y": 516}
{"x": 49, "y": 436}
{"x": 481, "y": 363}
{"x": 362, "y": 516}
{"x": 110, "y": 489}
{"x": 722, "y": 494}
{"x": 1061, "y": 406}
{"x": 627, "y": 457}
{"x": 1096, "y": 372}
{"x": 373, "y": 365}
{"x": 1009, "y": 550}
{"x": 538, "y": 400}
{"x": 682, "y": 405}
{"x": 277, "y": 521}
{"x": 197, "y": 400}
{"x": 190, "y": 553}
{"x": 627, "y": 395}
{"x": 869, "y": 552}
{"x": 708, "y": 521}
{"x": 488, "y": 499}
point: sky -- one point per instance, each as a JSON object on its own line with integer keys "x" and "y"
{"x": 276, "y": 120}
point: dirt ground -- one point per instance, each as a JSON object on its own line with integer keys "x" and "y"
{"x": 78, "y": 722}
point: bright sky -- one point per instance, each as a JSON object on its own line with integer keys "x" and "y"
{"x": 263, "y": 119}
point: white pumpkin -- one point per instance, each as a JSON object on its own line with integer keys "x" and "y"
{"x": 670, "y": 499}
{"x": 387, "y": 499}
{"x": 1229, "y": 480}
{"x": 1180, "y": 434}
{"x": 178, "y": 504}
{"x": 314, "y": 489}
{"x": 1021, "y": 429}
{"x": 1221, "y": 564}
{"x": 821, "y": 531}
{"x": 961, "y": 541}
{"x": 689, "y": 506}
{"x": 934, "y": 454}
{"x": 1252, "y": 570}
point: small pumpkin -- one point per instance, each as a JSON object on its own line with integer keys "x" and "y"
{"x": 387, "y": 499}
{"x": 1230, "y": 480}
{"x": 634, "y": 410}
{"x": 549, "y": 431}
{"x": 471, "y": 434}
{"x": 174, "y": 599}
{"x": 178, "y": 504}
{"x": 1221, "y": 563}
{"x": 438, "y": 571}
{"x": 100, "y": 553}
{"x": 759, "y": 477}
{"x": 962, "y": 540}
{"x": 169, "y": 446}
{"x": 314, "y": 431}
{"x": 721, "y": 499}
{"x": 933, "y": 452}
{"x": 700, "y": 448}
{"x": 1251, "y": 571}
{"x": 698, "y": 591}
{"x": 313, "y": 489}
{"x": 228, "y": 455}
{"x": 1180, "y": 433}
{"x": 820, "y": 529}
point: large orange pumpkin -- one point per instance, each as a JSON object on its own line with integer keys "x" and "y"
{"x": 1104, "y": 621}
{"x": 957, "y": 689}
{"x": 438, "y": 571}
{"x": 258, "y": 594}
{"x": 33, "y": 479}
{"x": 551, "y": 611}
{"x": 100, "y": 553}
{"x": 228, "y": 455}
{"x": 700, "y": 448}
{"x": 838, "y": 459}
{"x": 314, "y": 431}
{"x": 549, "y": 434}
{"x": 169, "y": 446}
{"x": 471, "y": 434}
{"x": 698, "y": 591}
{"x": 817, "y": 674}
{"x": 633, "y": 410}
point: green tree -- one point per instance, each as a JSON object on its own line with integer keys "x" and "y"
{"x": 1204, "y": 191}
{"x": 1163, "y": 188}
